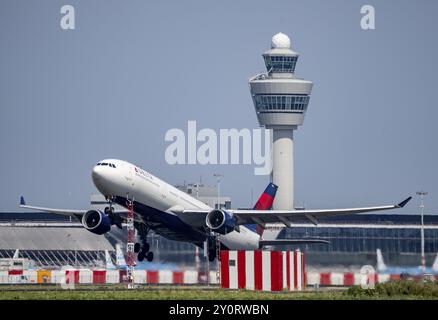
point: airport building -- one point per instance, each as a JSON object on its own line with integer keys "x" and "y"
{"x": 354, "y": 239}
{"x": 52, "y": 240}
{"x": 207, "y": 194}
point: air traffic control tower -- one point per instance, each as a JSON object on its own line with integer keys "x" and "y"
{"x": 280, "y": 100}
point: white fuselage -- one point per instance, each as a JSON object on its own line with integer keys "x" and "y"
{"x": 122, "y": 179}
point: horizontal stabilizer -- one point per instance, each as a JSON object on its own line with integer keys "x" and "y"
{"x": 275, "y": 242}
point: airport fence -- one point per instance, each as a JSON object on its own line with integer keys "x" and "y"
{"x": 104, "y": 276}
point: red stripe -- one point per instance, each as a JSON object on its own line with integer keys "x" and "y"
{"x": 325, "y": 279}
{"x": 295, "y": 270}
{"x": 264, "y": 202}
{"x": 288, "y": 269}
{"x": 178, "y": 277}
{"x": 348, "y": 279}
{"x": 258, "y": 276}
{"x": 152, "y": 277}
{"x": 122, "y": 275}
{"x": 99, "y": 276}
{"x": 225, "y": 272}
{"x": 394, "y": 277}
{"x": 15, "y": 272}
{"x": 241, "y": 267}
{"x": 303, "y": 272}
{"x": 71, "y": 276}
{"x": 276, "y": 271}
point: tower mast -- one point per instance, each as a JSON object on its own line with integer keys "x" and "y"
{"x": 280, "y": 100}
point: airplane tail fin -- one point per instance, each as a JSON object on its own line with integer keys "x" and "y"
{"x": 108, "y": 261}
{"x": 380, "y": 263}
{"x": 267, "y": 198}
{"x": 435, "y": 264}
{"x": 120, "y": 257}
{"x": 16, "y": 254}
{"x": 264, "y": 202}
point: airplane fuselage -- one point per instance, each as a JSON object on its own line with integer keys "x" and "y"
{"x": 155, "y": 202}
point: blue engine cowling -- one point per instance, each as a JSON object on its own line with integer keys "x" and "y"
{"x": 220, "y": 221}
{"x": 96, "y": 222}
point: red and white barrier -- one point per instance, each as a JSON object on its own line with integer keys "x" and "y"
{"x": 262, "y": 270}
{"x": 347, "y": 279}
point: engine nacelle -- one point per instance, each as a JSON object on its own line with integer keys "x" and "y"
{"x": 220, "y": 221}
{"x": 96, "y": 221}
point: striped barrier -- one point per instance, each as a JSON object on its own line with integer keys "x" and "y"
{"x": 262, "y": 270}
{"x": 102, "y": 276}
{"x": 351, "y": 279}
{"x": 252, "y": 270}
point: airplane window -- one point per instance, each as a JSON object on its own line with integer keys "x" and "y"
{"x": 104, "y": 164}
{"x": 114, "y": 166}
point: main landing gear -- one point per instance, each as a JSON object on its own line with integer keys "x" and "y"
{"x": 213, "y": 246}
{"x": 142, "y": 249}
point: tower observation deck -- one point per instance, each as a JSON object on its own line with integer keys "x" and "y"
{"x": 280, "y": 100}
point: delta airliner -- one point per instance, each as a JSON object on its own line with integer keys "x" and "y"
{"x": 175, "y": 215}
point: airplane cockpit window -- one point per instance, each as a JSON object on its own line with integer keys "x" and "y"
{"x": 112, "y": 165}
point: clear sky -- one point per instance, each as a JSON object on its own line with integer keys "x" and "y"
{"x": 131, "y": 70}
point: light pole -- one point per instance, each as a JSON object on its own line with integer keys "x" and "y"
{"x": 423, "y": 258}
{"x": 218, "y": 178}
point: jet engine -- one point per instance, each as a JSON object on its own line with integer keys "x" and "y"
{"x": 96, "y": 222}
{"x": 221, "y": 221}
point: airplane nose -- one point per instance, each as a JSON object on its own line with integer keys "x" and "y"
{"x": 96, "y": 174}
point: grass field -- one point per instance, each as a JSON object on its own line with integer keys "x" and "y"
{"x": 395, "y": 290}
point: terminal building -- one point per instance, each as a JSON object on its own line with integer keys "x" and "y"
{"x": 354, "y": 239}
{"x": 51, "y": 240}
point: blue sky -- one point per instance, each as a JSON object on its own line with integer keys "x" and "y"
{"x": 133, "y": 70}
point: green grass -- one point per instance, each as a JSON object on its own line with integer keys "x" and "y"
{"x": 397, "y": 289}
{"x": 161, "y": 294}
{"x": 392, "y": 290}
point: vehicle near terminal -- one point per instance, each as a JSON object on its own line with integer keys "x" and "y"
{"x": 176, "y": 215}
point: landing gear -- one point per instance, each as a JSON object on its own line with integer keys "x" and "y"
{"x": 212, "y": 248}
{"x": 212, "y": 255}
{"x": 150, "y": 256}
{"x": 143, "y": 248}
{"x": 109, "y": 211}
{"x": 143, "y": 253}
{"x": 141, "y": 256}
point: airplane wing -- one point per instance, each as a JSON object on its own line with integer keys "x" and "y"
{"x": 261, "y": 217}
{"x": 276, "y": 242}
{"x": 64, "y": 212}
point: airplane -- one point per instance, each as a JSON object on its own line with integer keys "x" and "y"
{"x": 176, "y": 215}
{"x": 409, "y": 271}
